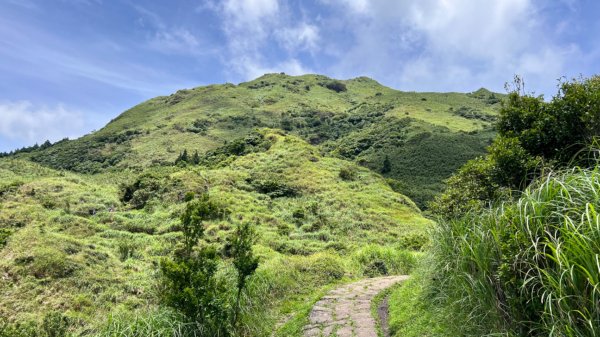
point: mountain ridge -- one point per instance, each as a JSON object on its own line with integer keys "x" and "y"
{"x": 343, "y": 117}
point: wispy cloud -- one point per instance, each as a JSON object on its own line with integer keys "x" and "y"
{"x": 305, "y": 36}
{"x": 263, "y": 36}
{"x": 25, "y": 122}
{"x": 438, "y": 44}
{"x": 44, "y": 56}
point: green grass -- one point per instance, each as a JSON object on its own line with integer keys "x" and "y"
{"x": 528, "y": 267}
{"x": 299, "y": 160}
{"x": 414, "y": 311}
{"x": 72, "y": 247}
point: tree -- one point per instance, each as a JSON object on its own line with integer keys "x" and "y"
{"x": 183, "y": 157}
{"x": 244, "y": 261}
{"x": 533, "y": 135}
{"x": 189, "y": 279}
{"x": 196, "y": 158}
{"x": 387, "y": 165}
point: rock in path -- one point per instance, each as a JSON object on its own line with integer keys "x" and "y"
{"x": 346, "y": 311}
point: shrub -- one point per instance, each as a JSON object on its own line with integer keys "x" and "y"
{"x": 190, "y": 281}
{"x": 334, "y": 85}
{"x": 127, "y": 249}
{"x": 274, "y": 188}
{"x": 50, "y": 262}
{"x": 348, "y": 173}
{"x": 140, "y": 191}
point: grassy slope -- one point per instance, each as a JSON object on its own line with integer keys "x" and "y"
{"x": 429, "y": 128}
{"x": 71, "y": 246}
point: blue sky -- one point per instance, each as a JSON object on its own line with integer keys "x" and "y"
{"x": 69, "y": 66}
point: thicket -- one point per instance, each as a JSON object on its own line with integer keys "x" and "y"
{"x": 534, "y": 136}
{"x": 89, "y": 154}
{"x": 526, "y": 263}
{"x": 254, "y": 142}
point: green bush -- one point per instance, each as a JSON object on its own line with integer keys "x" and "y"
{"x": 50, "y": 262}
{"x": 144, "y": 188}
{"x": 334, "y": 85}
{"x": 191, "y": 285}
{"x": 348, "y": 173}
{"x": 533, "y": 135}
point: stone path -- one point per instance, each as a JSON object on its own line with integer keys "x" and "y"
{"x": 346, "y": 311}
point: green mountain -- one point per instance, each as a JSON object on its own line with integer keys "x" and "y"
{"x": 314, "y": 164}
{"x": 425, "y": 136}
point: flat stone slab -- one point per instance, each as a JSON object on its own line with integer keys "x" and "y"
{"x": 346, "y": 311}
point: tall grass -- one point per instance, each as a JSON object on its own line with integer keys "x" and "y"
{"x": 529, "y": 267}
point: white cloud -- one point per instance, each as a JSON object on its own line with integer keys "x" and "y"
{"x": 254, "y": 28}
{"x": 250, "y": 11}
{"x": 25, "y": 122}
{"x": 290, "y": 67}
{"x": 448, "y": 44}
{"x": 302, "y": 37}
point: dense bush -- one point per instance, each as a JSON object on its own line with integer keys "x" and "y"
{"x": 528, "y": 267}
{"x": 273, "y": 187}
{"x": 143, "y": 189}
{"x": 348, "y": 173}
{"x": 252, "y": 143}
{"x": 334, "y": 85}
{"x": 533, "y": 135}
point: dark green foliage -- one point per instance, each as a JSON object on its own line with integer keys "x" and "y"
{"x": 191, "y": 284}
{"x": 244, "y": 261}
{"x": 558, "y": 130}
{"x": 183, "y": 158}
{"x": 348, "y": 173}
{"x": 386, "y": 167}
{"x": 144, "y": 188}
{"x": 195, "y": 213}
{"x": 4, "y": 235}
{"x": 376, "y": 268}
{"x": 273, "y": 188}
{"x": 319, "y": 126}
{"x": 471, "y": 113}
{"x": 200, "y": 126}
{"x": 507, "y": 167}
{"x": 88, "y": 154}
{"x": 334, "y": 85}
{"x": 54, "y": 324}
{"x": 533, "y": 135}
{"x": 254, "y": 142}
{"x": 422, "y": 164}
{"x": 6, "y": 188}
{"x": 196, "y": 158}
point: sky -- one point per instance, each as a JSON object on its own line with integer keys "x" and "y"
{"x": 68, "y": 67}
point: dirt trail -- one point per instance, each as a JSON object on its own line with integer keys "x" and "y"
{"x": 346, "y": 311}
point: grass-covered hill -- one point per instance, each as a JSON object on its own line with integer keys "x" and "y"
{"x": 425, "y": 136}
{"x": 87, "y": 247}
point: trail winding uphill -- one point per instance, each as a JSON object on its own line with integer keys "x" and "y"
{"x": 346, "y": 311}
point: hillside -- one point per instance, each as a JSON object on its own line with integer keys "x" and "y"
{"x": 70, "y": 245}
{"x": 332, "y": 175}
{"x": 425, "y": 136}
